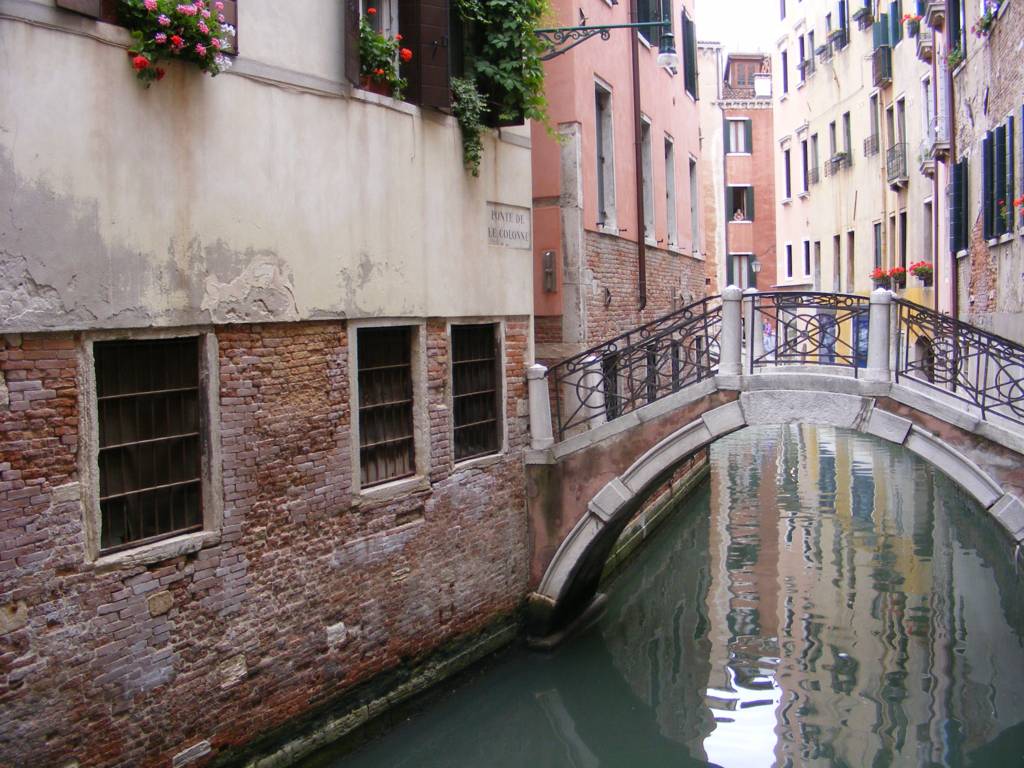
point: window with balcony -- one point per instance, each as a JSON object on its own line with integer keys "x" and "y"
{"x": 605, "y": 158}
{"x": 803, "y": 57}
{"x": 738, "y": 136}
{"x": 476, "y": 376}
{"x": 814, "y": 175}
{"x": 150, "y": 421}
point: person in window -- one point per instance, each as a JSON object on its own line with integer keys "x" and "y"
{"x": 739, "y": 215}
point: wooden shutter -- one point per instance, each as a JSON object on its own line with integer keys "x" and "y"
{"x": 880, "y": 31}
{"x": 350, "y": 23}
{"x": 689, "y": 56}
{"x": 728, "y": 140}
{"x": 748, "y": 200}
{"x": 999, "y": 182}
{"x": 955, "y": 22}
{"x": 729, "y": 270}
{"x": 988, "y": 220}
{"x": 895, "y": 23}
{"x": 424, "y": 28}
{"x": 104, "y": 10}
{"x": 751, "y": 274}
{"x": 748, "y": 135}
{"x": 1011, "y": 182}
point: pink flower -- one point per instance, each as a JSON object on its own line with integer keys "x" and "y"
{"x": 150, "y": 5}
{"x": 219, "y": 5}
{"x": 205, "y": 14}
{"x": 187, "y": 10}
{"x": 160, "y": 37}
{"x": 215, "y": 42}
{"x": 221, "y": 18}
{"x": 203, "y": 28}
{"x": 164, "y": 21}
{"x": 200, "y": 4}
{"x": 200, "y": 49}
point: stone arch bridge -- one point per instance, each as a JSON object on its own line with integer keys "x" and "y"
{"x": 611, "y": 425}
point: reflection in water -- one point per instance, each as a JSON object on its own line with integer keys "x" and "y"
{"x": 825, "y": 600}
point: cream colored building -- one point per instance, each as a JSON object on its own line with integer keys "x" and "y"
{"x": 855, "y": 177}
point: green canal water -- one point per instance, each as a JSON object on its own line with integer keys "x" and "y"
{"x": 824, "y": 599}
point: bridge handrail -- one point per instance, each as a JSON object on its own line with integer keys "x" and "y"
{"x": 636, "y": 367}
{"x": 973, "y": 365}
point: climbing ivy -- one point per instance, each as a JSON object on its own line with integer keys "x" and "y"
{"x": 469, "y": 108}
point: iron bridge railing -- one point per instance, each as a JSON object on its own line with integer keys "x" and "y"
{"x": 808, "y": 328}
{"x": 974, "y": 366}
{"x": 636, "y": 368}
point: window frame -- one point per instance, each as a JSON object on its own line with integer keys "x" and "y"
{"x": 211, "y": 483}
{"x": 604, "y": 158}
{"x": 498, "y": 326}
{"x": 421, "y": 424}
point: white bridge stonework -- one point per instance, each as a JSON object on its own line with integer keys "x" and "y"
{"x": 585, "y": 489}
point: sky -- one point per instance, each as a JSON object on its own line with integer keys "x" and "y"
{"x": 746, "y": 26}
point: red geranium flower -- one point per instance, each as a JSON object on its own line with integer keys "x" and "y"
{"x": 177, "y": 41}
{"x": 405, "y": 54}
{"x": 140, "y": 63}
{"x": 398, "y": 38}
{"x": 371, "y": 11}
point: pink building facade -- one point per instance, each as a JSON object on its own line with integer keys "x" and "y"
{"x": 600, "y": 268}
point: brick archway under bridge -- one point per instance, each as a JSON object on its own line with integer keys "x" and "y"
{"x": 584, "y": 490}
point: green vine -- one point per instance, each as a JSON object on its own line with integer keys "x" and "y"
{"x": 469, "y": 108}
{"x": 509, "y": 67}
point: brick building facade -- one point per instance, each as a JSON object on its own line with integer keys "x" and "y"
{"x": 261, "y": 438}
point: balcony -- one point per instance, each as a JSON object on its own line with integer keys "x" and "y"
{"x": 824, "y": 53}
{"x": 806, "y": 68}
{"x": 871, "y": 145}
{"x": 836, "y": 162}
{"x": 881, "y": 66}
{"x": 813, "y": 176}
{"x": 741, "y": 236}
{"x": 896, "y": 165}
{"x": 925, "y": 44}
{"x": 864, "y": 17}
{"x": 935, "y": 14}
{"x": 838, "y": 38}
{"x": 925, "y": 158}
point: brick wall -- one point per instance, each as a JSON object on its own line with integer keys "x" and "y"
{"x": 672, "y": 281}
{"x": 989, "y": 87}
{"x": 548, "y": 330}
{"x": 132, "y": 665}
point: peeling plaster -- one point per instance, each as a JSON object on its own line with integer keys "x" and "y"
{"x": 263, "y": 290}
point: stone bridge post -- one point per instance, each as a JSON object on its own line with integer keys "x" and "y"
{"x": 541, "y": 434}
{"x": 879, "y": 324}
{"x": 731, "y": 344}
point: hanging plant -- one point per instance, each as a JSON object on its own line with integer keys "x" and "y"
{"x": 166, "y": 29}
{"x": 983, "y": 26}
{"x": 469, "y": 108}
{"x": 378, "y": 57}
{"x": 955, "y": 58}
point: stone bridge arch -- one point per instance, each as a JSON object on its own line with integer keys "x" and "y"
{"x": 584, "y": 490}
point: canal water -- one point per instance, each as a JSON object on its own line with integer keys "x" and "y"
{"x": 825, "y": 599}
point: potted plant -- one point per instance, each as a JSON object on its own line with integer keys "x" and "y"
{"x": 898, "y": 277}
{"x": 923, "y": 271}
{"x": 166, "y": 29}
{"x": 983, "y": 26}
{"x": 955, "y": 58}
{"x": 880, "y": 278}
{"x": 1018, "y": 205}
{"x": 913, "y": 22}
{"x": 378, "y": 59}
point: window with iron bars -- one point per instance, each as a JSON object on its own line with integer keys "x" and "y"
{"x": 386, "y": 424}
{"x": 149, "y": 417}
{"x": 475, "y": 390}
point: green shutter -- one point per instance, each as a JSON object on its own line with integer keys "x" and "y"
{"x": 751, "y": 274}
{"x": 895, "y": 25}
{"x": 729, "y": 269}
{"x": 748, "y": 135}
{"x": 988, "y": 220}
{"x": 1011, "y": 182}
{"x": 880, "y": 31}
{"x": 749, "y": 202}
{"x": 728, "y": 147}
{"x": 956, "y": 210}
{"x": 999, "y": 182}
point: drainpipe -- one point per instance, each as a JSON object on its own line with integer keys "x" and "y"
{"x": 641, "y": 245}
{"x": 954, "y": 274}
{"x": 935, "y": 182}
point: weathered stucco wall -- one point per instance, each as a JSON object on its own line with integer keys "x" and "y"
{"x": 270, "y": 192}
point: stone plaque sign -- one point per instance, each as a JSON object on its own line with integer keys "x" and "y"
{"x": 508, "y": 226}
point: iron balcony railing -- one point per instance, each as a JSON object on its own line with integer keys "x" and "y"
{"x": 896, "y": 163}
{"x": 964, "y": 362}
{"x": 871, "y": 145}
{"x": 881, "y": 66}
{"x": 808, "y": 328}
{"x": 813, "y": 175}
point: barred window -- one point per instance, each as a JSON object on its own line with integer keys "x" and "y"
{"x": 150, "y": 456}
{"x": 475, "y": 390}
{"x": 386, "y": 441}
